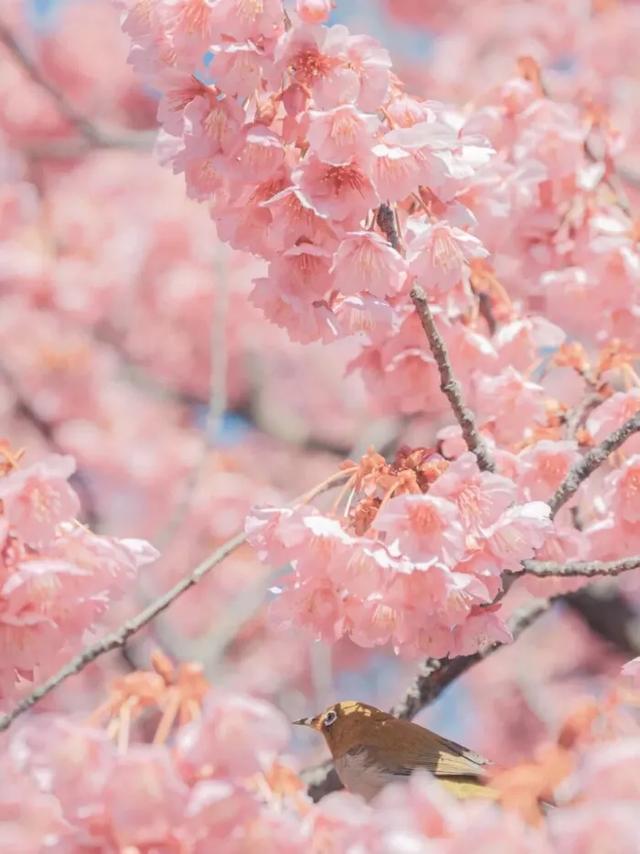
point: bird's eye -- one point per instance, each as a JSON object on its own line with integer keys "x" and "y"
{"x": 330, "y": 718}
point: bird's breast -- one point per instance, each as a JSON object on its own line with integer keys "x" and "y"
{"x": 361, "y": 775}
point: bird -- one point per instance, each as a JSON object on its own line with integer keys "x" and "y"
{"x": 371, "y": 748}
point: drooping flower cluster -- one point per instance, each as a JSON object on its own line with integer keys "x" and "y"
{"x": 56, "y": 576}
{"x": 295, "y": 133}
{"x": 417, "y": 556}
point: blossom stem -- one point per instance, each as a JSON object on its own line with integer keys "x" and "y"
{"x": 306, "y": 497}
{"x": 449, "y": 384}
{"x": 343, "y": 492}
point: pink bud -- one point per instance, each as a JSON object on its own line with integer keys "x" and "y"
{"x": 314, "y": 11}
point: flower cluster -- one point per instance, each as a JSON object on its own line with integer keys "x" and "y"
{"x": 417, "y": 556}
{"x": 56, "y": 577}
{"x": 295, "y": 134}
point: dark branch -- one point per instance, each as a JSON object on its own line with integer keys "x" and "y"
{"x": 577, "y": 417}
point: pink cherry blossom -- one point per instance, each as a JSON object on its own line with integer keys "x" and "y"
{"x": 612, "y": 414}
{"x": 340, "y": 135}
{"x": 395, "y": 171}
{"x": 625, "y": 484}
{"x": 544, "y": 466}
{"x": 423, "y": 527}
{"x": 250, "y": 20}
{"x": 439, "y": 256}
{"x": 342, "y": 192}
{"x": 509, "y": 392}
{"x": 497, "y": 170}
{"x": 238, "y": 67}
{"x": 518, "y": 533}
{"x": 481, "y": 497}
{"x": 144, "y": 797}
{"x": 38, "y": 498}
{"x": 365, "y": 262}
{"x": 57, "y": 577}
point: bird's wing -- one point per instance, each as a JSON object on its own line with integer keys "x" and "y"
{"x": 454, "y": 759}
{"x": 422, "y": 749}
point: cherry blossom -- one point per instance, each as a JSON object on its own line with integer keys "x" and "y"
{"x": 412, "y": 568}
{"x": 188, "y": 340}
{"x": 57, "y": 576}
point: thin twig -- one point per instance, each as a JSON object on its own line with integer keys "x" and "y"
{"x": 118, "y": 638}
{"x": 577, "y": 416}
{"x": 449, "y": 384}
{"x": 46, "y": 431}
{"x": 591, "y": 461}
{"x": 73, "y": 148}
{"x": 434, "y": 676}
{"x": 94, "y": 136}
{"x": 588, "y": 568}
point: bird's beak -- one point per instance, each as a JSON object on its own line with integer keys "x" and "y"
{"x": 312, "y": 722}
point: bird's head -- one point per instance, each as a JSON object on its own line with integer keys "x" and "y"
{"x": 345, "y": 725}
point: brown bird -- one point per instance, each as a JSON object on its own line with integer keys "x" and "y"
{"x": 371, "y": 748}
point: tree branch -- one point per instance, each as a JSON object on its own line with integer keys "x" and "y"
{"x": 588, "y": 568}
{"x": 96, "y": 137}
{"x": 577, "y": 416}
{"x": 118, "y": 638}
{"x": 216, "y": 404}
{"x": 449, "y": 384}
{"x": 436, "y": 674}
{"x": 591, "y": 461}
